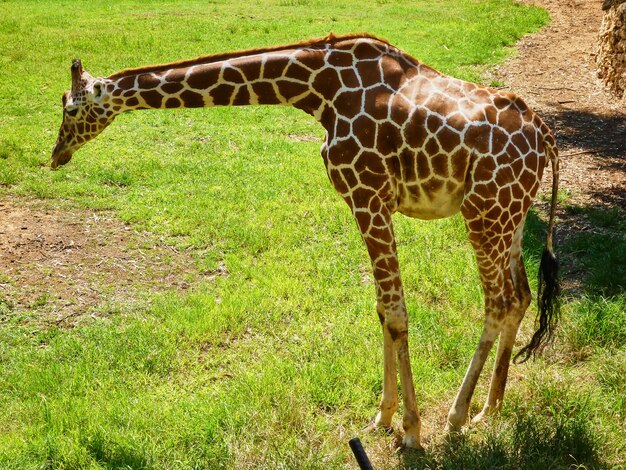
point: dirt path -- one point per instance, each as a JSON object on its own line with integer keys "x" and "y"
{"x": 555, "y": 73}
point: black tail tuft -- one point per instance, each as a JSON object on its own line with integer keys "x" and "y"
{"x": 548, "y": 303}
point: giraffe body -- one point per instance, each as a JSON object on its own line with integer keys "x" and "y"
{"x": 400, "y": 137}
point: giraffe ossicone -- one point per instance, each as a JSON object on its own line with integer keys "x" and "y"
{"x": 400, "y": 137}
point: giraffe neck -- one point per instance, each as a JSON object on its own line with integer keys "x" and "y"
{"x": 294, "y": 77}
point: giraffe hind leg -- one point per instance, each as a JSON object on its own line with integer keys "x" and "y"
{"x": 493, "y": 250}
{"x": 460, "y": 408}
{"x": 509, "y": 329}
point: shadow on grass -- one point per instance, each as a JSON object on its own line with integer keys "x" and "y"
{"x": 531, "y": 442}
{"x": 598, "y": 250}
{"x": 590, "y": 239}
{"x": 113, "y": 456}
{"x": 591, "y": 242}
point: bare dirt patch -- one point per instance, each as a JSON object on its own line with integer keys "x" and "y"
{"x": 63, "y": 265}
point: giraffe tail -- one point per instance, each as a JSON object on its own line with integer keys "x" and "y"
{"x": 548, "y": 291}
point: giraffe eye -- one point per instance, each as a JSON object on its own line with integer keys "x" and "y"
{"x": 72, "y": 111}
{"x": 97, "y": 90}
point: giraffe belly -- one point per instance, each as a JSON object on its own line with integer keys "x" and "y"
{"x": 416, "y": 202}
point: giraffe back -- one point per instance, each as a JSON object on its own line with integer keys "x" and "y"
{"x": 420, "y": 140}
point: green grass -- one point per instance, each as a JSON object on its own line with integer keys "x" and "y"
{"x": 601, "y": 256}
{"x": 279, "y": 363}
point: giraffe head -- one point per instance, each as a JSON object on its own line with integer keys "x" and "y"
{"x": 86, "y": 113}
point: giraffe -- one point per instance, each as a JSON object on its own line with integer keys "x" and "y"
{"x": 400, "y": 137}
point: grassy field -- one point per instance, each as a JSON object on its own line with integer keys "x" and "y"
{"x": 277, "y": 363}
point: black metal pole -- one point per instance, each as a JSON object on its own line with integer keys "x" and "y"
{"x": 359, "y": 454}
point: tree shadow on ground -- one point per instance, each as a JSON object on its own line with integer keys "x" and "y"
{"x": 596, "y": 253}
{"x": 601, "y": 134}
{"x": 591, "y": 246}
{"x": 602, "y": 139}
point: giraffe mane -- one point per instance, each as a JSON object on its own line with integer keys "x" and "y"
{"x": 315, "y": 42}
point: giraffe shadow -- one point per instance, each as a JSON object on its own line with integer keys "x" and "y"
{"x": 529, "y": 442}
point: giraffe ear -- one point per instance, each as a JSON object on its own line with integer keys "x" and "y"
{"x": 77, "y": 73}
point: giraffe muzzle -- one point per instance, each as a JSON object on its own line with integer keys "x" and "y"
{"x": 60, "y": 155}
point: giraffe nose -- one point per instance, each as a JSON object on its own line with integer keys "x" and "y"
{"x": 60, "y": 155}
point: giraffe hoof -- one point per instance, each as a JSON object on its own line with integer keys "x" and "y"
{"x": 411, "y": 442}
{"x": 452, "y": 428}
{"x": 374, "y": 427}
{"x": 488, "y": 411}
{"x": 479, "y": 417}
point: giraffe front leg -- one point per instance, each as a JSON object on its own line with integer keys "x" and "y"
{"x": 395, "y": 330}
{"x": 389, "y": 400}
{"x": 377, "y": 232}
{"x": 411, "y": 420}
